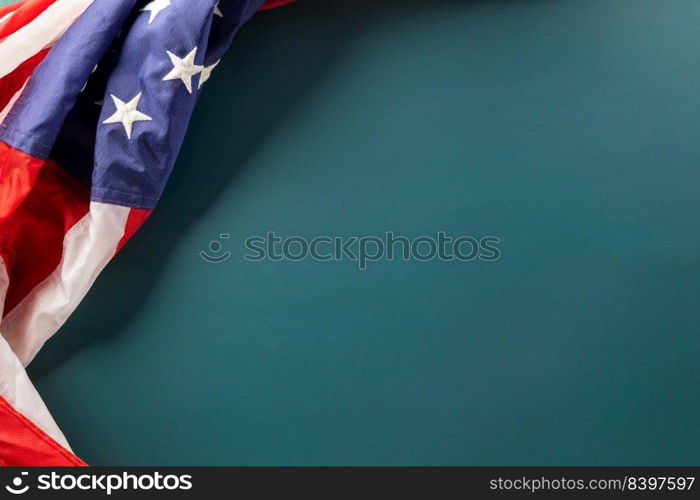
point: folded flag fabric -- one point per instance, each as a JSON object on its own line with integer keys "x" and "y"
{"x": 95, "y": 98}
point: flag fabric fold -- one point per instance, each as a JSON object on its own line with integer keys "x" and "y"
{"x": 95, "y": 99}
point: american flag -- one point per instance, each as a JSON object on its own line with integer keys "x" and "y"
{"x": 95, "y": 98}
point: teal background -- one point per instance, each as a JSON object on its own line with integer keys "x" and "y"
{"x": 567, "y": 128}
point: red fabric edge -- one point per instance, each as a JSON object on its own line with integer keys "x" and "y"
{"x": 23, "y": 444}
{"x": 271, "y": 4}
{"x": 12, "y": 82}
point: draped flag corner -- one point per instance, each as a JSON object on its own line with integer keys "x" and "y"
{"x": 95, "y": 98}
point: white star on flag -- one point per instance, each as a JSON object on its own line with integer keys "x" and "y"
{"x": 183, "y": 68}
{"x": 217, "y": 10}
{"x": 155, "y": 7}
{"x": 127, "y": 113}
{"x": 206, "y": 73}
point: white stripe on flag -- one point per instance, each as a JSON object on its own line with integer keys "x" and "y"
{"x": 40, "y": 33}
{"x": 17, "y": 389}
{"x": 87, "y": 248}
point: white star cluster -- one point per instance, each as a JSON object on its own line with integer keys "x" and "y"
{"x": 184, "y": 69}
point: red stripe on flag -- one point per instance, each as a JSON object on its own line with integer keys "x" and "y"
{"x": 23, "y": 15}
{"x": 18, "y": 172}
{"x": 39, "y": 203}
{"x": 10, "y": 84}
{"x": 9, "y": 8}
{"x": 23, "y": 444}
{"x": 271, "y": 4}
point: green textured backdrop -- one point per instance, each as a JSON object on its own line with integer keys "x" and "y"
{"x": 568, "y": 128}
